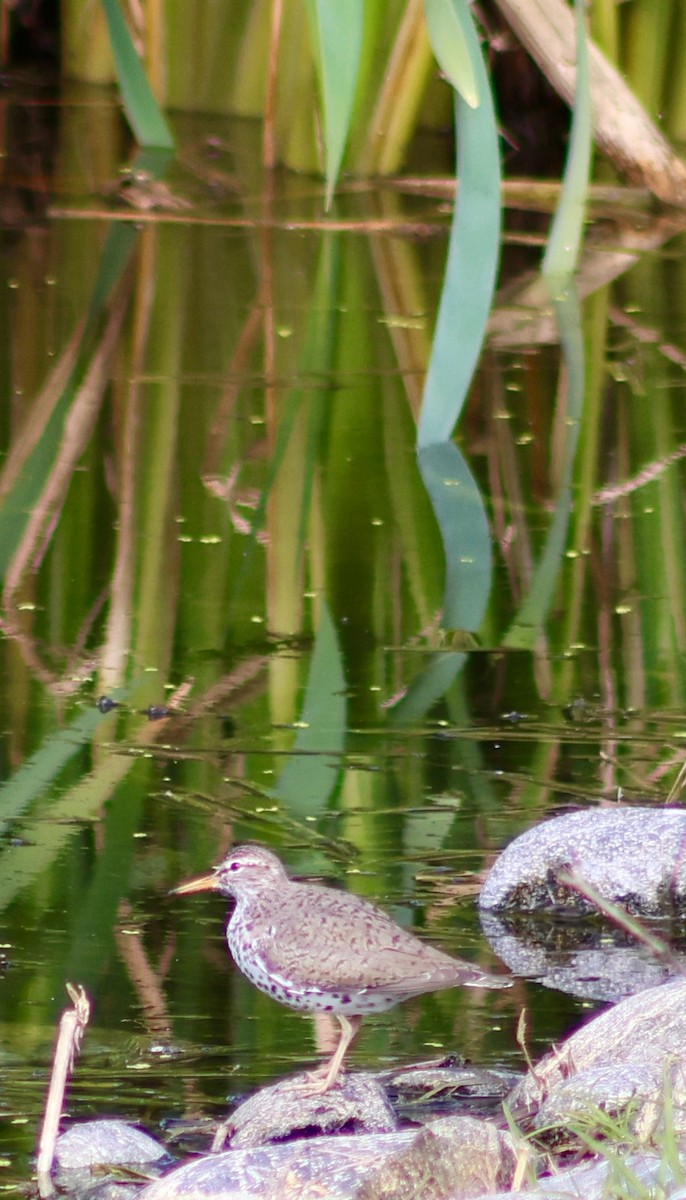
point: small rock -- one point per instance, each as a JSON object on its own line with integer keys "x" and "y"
{"x": 357, "y": 1105}
{"x": 454, "y": 1157}
{"x": 106, "y": 1143}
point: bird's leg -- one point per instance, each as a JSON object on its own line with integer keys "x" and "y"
{"x": 324, "y": 1077}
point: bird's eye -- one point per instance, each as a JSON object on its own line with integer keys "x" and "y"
{"x": 234, "y": 866}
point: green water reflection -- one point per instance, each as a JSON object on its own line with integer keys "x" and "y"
{"x": 253, "y": 361}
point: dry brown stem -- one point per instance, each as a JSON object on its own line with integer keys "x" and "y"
{"x": 621, "y": 126}
{"x": 72, "y": 1025}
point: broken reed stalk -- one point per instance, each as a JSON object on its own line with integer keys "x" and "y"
{"x": 72, "y": 1025}
{"x": 622, "y": 127}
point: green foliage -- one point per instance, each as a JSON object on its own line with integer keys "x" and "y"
{"x": 473, "y": 256}
{"x": 449, "y": 23}
{"x": 336, "y": 28}
{"x": 146, "y": 120}
{"x": 564, "y": 241}
{"x": 310, "y": 774}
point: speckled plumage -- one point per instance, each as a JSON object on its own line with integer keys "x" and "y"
{"x": 322, "y": 950}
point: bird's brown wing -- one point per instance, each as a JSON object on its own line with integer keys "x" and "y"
{"x": 341, "y": 943}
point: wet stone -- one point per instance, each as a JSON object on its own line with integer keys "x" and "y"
{"x": 632, "y": 856}
{"x": 620, "y": 1062}
{"x": 454, "y": 1157}
{"x": 358, "y": 1104}
{"x": 420, "y": 1093}
{"x": 108, "y": 1143}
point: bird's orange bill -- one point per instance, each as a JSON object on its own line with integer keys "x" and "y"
{"x": 204, "y": 883}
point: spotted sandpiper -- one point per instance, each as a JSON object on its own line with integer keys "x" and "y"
{"x": 323, "y": 950}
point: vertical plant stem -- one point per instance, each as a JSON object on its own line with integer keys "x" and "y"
{"x": 72, "y": 1025}
{"x": 86, "y": 51}
{"x": 397, "y": 103}
{"x": 648, "y": 24}
{"x": 250, "y": 73}
{"x": 605, "y": 27}
{"x": 269, "y": 128}
{"x": 156, "y": 55}
{"x": 676, "y": 78}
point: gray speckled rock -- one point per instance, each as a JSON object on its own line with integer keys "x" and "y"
{"x": 455, "y": 1156}
{"x": 619, "y": 1062}
{"x": 105, "y": 1142}
{"x": 331, "y": 1167}
{"x": 358, "y": 1105}
{"x": 635, "y": 856}
{"x": 633, "y": 1088}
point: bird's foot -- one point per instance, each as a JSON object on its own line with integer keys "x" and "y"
{"x": 316, "y": 1082}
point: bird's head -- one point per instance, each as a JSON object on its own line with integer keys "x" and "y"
{"x": 247, "y": 869}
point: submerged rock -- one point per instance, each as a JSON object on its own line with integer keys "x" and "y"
{"x": 632, "y": 856}
{"x": 583, "y": 957}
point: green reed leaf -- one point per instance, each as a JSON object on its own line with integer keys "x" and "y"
{"x": 141, "y": 108}
{"x": 311, "y": 771}
{"x": 336, "y": 28}
{"x": 449, "y": 23}
{"x": 564, "y": 241}
{"x": 472, "y": 261}
{"x": 463, "y": 524}
{"x": 537, "y": 603}
{"x": 37, "y": 773}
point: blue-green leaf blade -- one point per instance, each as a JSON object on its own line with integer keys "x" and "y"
{"x": 472, "y": 264}
{"x": 463, "y": 524}
{"x": 446, "y": 20}
{"x": 336, "y": 28}
{"x": 564, "y": 240}
{"x": 428, "y": 687}
{"x": 311, "y": 772}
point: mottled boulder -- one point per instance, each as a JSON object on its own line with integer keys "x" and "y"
{"x": 622, "y": 1062}
{"x": 633, "y": 856}
{"x": 452, "y": 1159}
{"x": 358, "y": 1105}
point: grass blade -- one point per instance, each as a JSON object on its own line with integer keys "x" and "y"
{"x": 38, "y": 773}
{"x": 446, "y": 21}
{"x": 472, "y": 258}
{"x": 537, "y": 603}
{"x": 336, "y": 29}
{"x": 562, "y": 250}
{"x": 463, "y": 524}
{"x": 311, "y": 772}
{"x": 141, "y": 108}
